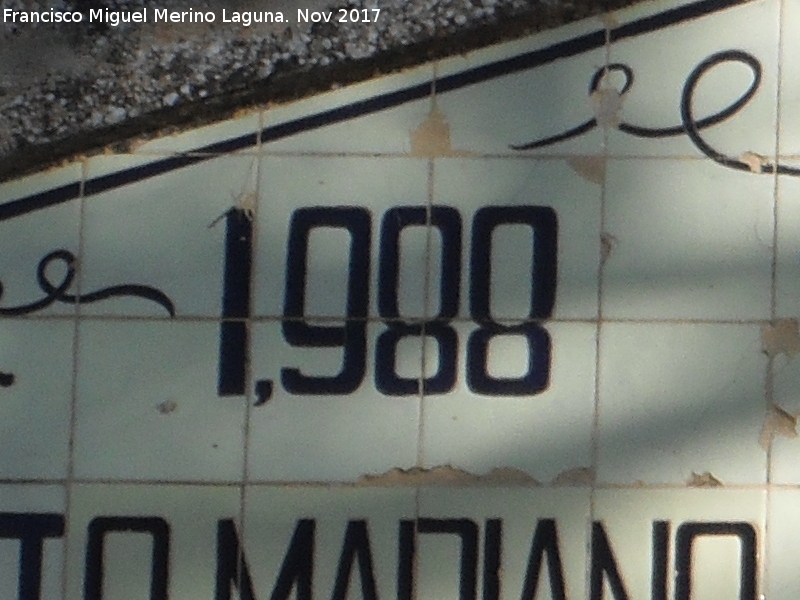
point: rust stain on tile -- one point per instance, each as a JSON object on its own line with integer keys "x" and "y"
{"x": 575, "y": 476}
{"x": 706, "y": 479}
{"x": 432, "y": 137}
{"x": 781, "y": 337}
{"x": 447, "y": 475}
{"x": 507, "y": 475}
{"x": 777, "y": 422}
{"x": 755, "y": 162}
{"x": 246, "y": 202}
{"x": 591, "y": 168}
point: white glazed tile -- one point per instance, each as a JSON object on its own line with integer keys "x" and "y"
{"x": 677, "y": 399}
{"x": 471, "y": 185}
{"x": 367, "y": 186}
{"x": 147, "y": 396}
{"x": 688, "y": 240}
{"x": 157, "y": 232}
{"x": 20, "y": 498}
{"x": 542, "y": 434}
{"x": 106, "y": 516}
{"x": 45, "y": 221}
{"x": 783, "y": 527}
{"x": 654, "y": 99}
{"x": 514, "y": 517}
{"x": 786, "y": 396}
{"x": 274, "y": 516}
{"x": 239, "y": 133}
{"x": 44, "y": 181}
{"x": 789, "y": 126}
{"x": 35, "y": 426}
{"x": 654, "y": 535}
{"x": 354, "y": 433}
{"x": 545, "y": 77}
{"x": 44, "y": 506}
{"x": 420, "y": 249}
{"x": 521, "y": 107}
{"x": 363, "y": 118}
{"x": 787, "y": 276}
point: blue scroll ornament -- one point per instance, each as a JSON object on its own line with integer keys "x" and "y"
{"x": 690, "y": 125}
{"x": 60, "y": 293}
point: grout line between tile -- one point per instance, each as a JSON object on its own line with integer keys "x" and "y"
{"x": 73, "y": 412}
{"x": 530, "y": 156}
{"x": 770, "y": 374}
{"x": 426, "y": 293}
{"x": 769, "y": 391}
{"x": 426, "y": 301}
{"x": 595, "y": 457}
{"x": 423, "y": 347}
{"x": 377, "y": 319}
{"x": 354, "y": 484}
{"x": 249, "y": 379}
{"x": 474, "y": 155}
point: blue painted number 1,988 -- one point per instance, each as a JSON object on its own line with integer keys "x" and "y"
{"x": 351, "y": 335}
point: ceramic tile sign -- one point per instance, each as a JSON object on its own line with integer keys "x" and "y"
{"x": 517, "y": 324}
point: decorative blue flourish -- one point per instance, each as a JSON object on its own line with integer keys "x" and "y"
{"x": 689, "y": 126}
{"x": 58, "y": 293}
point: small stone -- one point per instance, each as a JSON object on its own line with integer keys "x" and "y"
{"x": 116, "y": 114}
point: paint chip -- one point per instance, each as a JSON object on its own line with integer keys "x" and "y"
{"x": 606, "y": 105}
{"x": 609, "y": 20}
{"x": 246, "y": 202}
{"x": 432, "y": 137}
{"x": 507, "y": 475}
{"x": 703, "y": 480}
{"x": 575, "y": 476}
{"x": 447, "y": 475}
{"x": 167, "y": 407}
{"x": 754, "y": 161}
{"x": 608, "y": 244}
{"x": 591, "y": 168}
{"x": 777, "y": 422}
{"x": 781, "y": 337}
